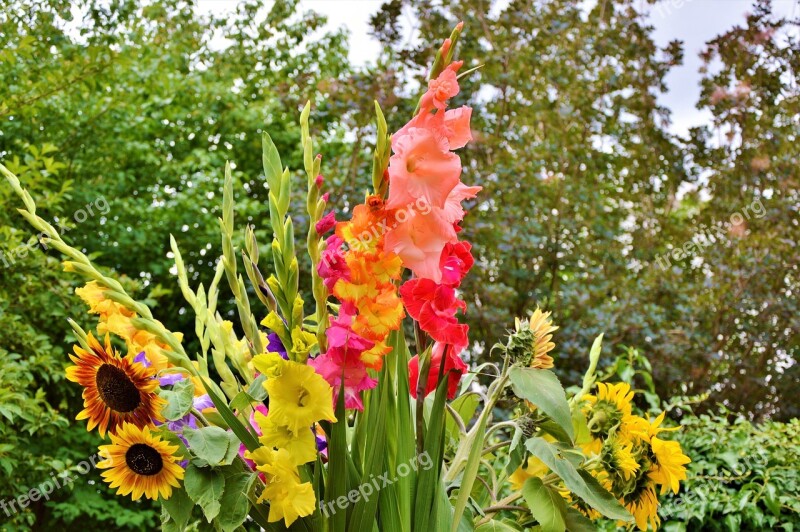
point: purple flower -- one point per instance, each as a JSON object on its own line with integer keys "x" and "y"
{"x": 201, "y": 402}
{"x": 322, "y": 443}
{"x": 141, "y": 358}
{"x": 276, "y": 346}
{"x": 169, "y": 380}
{"x": 164, "y": 380}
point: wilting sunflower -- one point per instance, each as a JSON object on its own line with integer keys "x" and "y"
{"x": 116, "y": 390}
{"x": 140, "y": 463}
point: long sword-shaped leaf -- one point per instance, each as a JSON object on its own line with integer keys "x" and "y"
{"x": 244, "y": 435}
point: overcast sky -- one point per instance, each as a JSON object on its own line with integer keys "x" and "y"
{"x": 692, "y": 21}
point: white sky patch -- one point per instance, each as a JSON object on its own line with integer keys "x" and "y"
{"x": 696, "y": 22}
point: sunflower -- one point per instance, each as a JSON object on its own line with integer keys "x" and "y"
{"x": 139, "y": 462}
{"x": 542, "y": 327}
{"x": 643, "y": 505}
{"x": 531, "y": 341}
{"x": 619, "y": 458}
{"x": 670, "y": 464}
{"x": 534, "y": 468}
{"x": 610, "y": 410}
{"x": 116, "y": 390}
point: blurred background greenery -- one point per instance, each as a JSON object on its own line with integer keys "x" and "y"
{"x": 588, "y": 206}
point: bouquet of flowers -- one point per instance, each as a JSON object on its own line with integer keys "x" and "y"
{"x": 325, "y": 421}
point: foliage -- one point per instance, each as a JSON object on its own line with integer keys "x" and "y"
{"x": 136, "y": 103}
{"x": 139, "y": 112}
{"x": 600, "y": 215}
{"x": 741, "y": 477}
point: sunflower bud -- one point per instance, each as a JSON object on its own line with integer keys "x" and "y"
{"x": 530, "y": 342}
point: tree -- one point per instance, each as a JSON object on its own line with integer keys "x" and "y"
{"x": 583, "y": 203}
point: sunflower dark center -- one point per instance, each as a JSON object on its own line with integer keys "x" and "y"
{"x": 144, "y": 460}
{"x": 116, "y": 389}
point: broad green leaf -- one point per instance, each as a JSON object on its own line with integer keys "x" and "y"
{"x": 256, "y": 389}
{"x": 205, "y": 486}
{"x": 771, "y": 500}
{"x": 580, "y": 483}
{"x": 496, "y": 526}
{"x": 235, "y": 505}
{"x": 580, "y": 426}
{"x": 209, "y": 443}
{"x": 577, "y": 522}
{"x": 547, "y": 506}
{"x": 179, "y": 507}
{"x": 179, "y": 399}
{"x": 542, "y": 388}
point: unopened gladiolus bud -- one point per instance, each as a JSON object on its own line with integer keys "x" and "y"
{"x": 325, "y": 224}
{"x": 326, "y": 197}
{"x": 446, "y": 46}
{"x": 319, "y": 180}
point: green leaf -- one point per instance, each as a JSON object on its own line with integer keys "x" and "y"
{"x": 234, "y": 501}
{"x": 496, "y": 526}
{"x": 337, "y": 466}
{"x": 179, "y": 507}
{"x": 244, "y": 435}
{"x": 547, "y": 506}
{"x": 179, "y": 399}
{"x": 271, "y": 159}
{"x": 465, "y": 406}
{"x": 426, "y": 507}
{"x": 205, "y": 486}
{"x": 364, "y": 511}
{"x": 577, "y": 522}
{"x": 209, "y": 443}
{"x": 580, "y": 483}
{"x": 256, "y": 389}
{"x": 542, "y": 388}
{"x": 771, "y": 500}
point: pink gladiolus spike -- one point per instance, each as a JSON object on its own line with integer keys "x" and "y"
{"x": 457, "y": 130}
{"x": 453, "y": 211}
{"x": 422, "y": 167}
{"x": 419, "y": 242}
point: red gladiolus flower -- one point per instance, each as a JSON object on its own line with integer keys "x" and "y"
{"x": 454, "y": 369}
{"x": 435, "y": 306}
{"x": 456, "y": 261}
